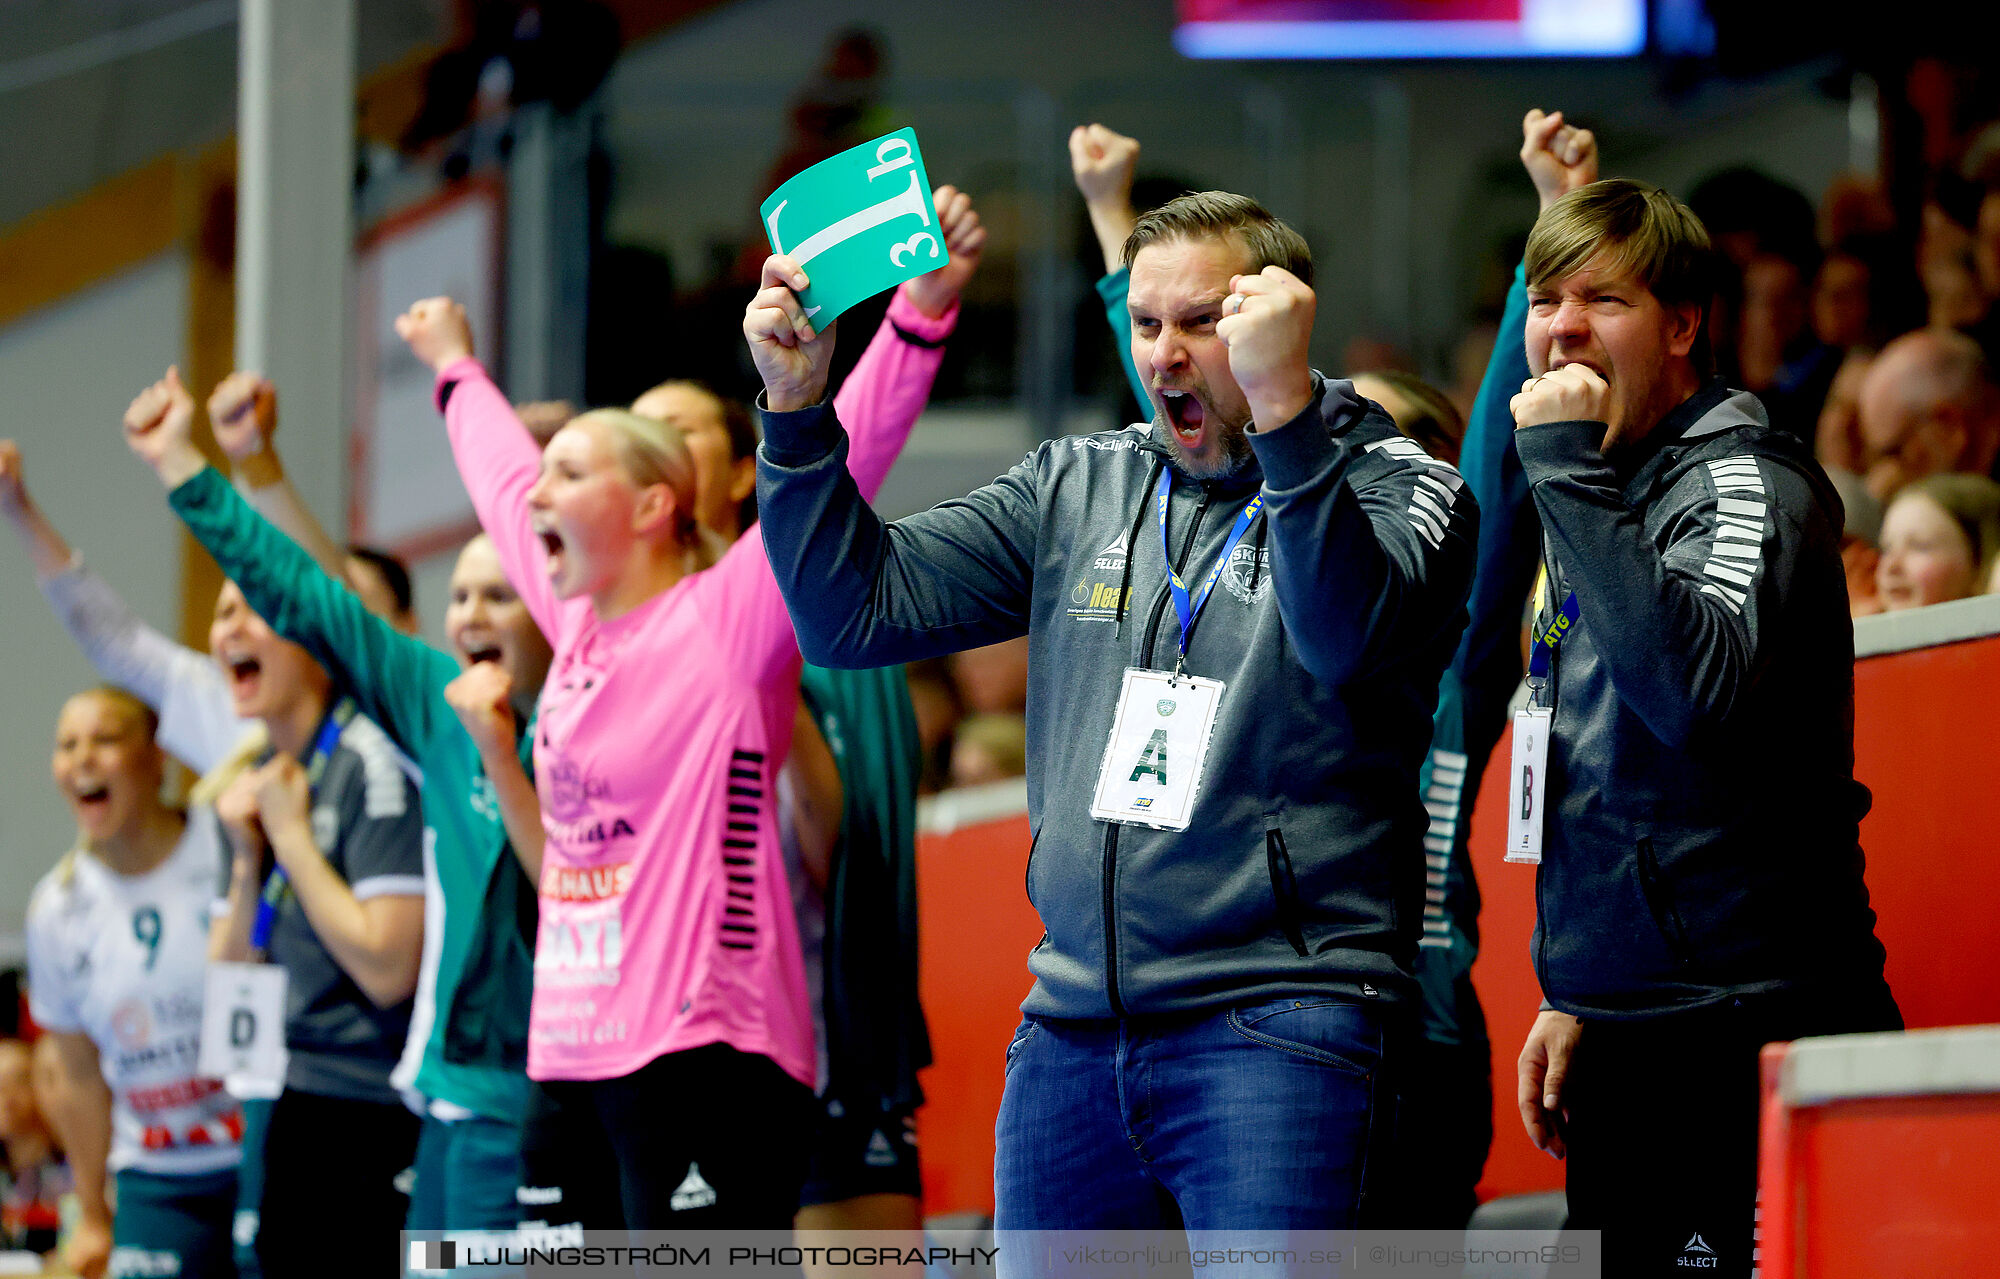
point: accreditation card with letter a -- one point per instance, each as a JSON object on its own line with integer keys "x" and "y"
{"x": 1158, "y": 749}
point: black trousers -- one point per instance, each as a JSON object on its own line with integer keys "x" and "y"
{"x": 707, "y": 1139}
{"x": 1444, "y": 1130}
{"x": 1662, "y": 1129}
{"x": 330, "y": 1204}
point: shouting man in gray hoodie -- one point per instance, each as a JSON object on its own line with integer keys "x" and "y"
{"x": 1237, "y": 614}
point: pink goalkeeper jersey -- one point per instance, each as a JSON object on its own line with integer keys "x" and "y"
{"x": 666, "y": 919}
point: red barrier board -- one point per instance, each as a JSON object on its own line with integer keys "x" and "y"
{"x": 1924, "y": 744}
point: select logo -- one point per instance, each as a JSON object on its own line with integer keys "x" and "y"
{"x": 1697, "y": 1255}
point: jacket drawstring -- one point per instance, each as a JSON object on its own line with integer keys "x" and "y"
{"x": 1257, "y": 560}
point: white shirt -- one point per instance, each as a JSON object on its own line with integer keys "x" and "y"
{"x": 123, "y": 959}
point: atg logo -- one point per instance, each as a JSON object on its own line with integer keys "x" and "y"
{"x": 435, "y": 1254}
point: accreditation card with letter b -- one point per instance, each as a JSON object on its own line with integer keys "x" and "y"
{"x": 1158, "y": 749}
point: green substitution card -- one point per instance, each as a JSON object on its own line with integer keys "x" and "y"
{"x": 857, "y": 223}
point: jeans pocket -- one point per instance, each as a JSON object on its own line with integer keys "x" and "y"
{"x": 1022, "y": 1034}
{"x": 1340, "y": 1033}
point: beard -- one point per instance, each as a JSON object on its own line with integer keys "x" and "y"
{"x": 1228, "y": 449}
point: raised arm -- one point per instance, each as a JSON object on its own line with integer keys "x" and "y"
{"x": 1371, "y": 539}
{"x": 1739, "y": 527}
{"x": 497, "y": 457}
{"x": 886, "y": 393}
{"x": 952, "y": 578}
{"x": 198, "y": 723}
{"x": 243, "y": 412}
{"x": 1102, "y": 162}
{"x": 1558, "y": 157}
{"x": 393, "y": 676}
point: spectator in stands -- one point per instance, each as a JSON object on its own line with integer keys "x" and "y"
{"x": 935, "y": 698}
{"x": 1422, "y": 412}
{"x": 34, "y": 1178}
{"x": 1946, "y": 266}
{"x": 989, "y": 747}
{"x": 1778, "y": 355}
{"x": 992, "y": 680}
{"x": 1929, "y": 404}
{"x": 1864, "y": 295}
{"x": 1837, "y": 439}
{"x": 1940, "y": 537}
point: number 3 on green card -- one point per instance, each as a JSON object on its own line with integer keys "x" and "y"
{"x": 858, "y": 223}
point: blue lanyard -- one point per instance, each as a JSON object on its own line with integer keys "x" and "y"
{"x": 1547, "y": 639}
{"x": 1187, "y": 610}
{"x": 277, "y": 884}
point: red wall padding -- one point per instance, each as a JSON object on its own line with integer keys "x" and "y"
{"x": 1927, "y": 743}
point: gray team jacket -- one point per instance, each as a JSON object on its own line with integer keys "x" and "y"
{"x": 1703, "y": 834}
{"x": 1302, "y": 870}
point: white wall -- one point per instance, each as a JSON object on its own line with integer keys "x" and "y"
{"x": 66, "y": 375}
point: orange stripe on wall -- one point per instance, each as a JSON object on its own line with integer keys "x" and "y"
{"x": 61, "y": 251}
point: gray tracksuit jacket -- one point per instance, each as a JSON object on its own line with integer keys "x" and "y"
{"x": 1703, "y": 836}
{"x": 1302, "y": 870}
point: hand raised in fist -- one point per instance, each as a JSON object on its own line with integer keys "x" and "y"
{"x": 236, "y": 809}
{"x": 480, "y": 696}
{"x": 1559, "y": 156}
{"x": 13, "y": 479}
{"x": 1572, "y": 393}
{"x": 437, "y": 331}
{"x": 243, "y": 412}
{"x": 284, "y": 803}
{"x": 1103, "y": 162}
{"x": 1267, "y": 324}
{"x": 159, "y": 427}
{"x": 964, "y": 240}
{"x": 790, "y": 354}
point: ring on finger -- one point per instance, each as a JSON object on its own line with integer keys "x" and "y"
{"x": 1232, "y": 304}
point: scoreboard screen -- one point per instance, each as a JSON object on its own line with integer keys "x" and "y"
{"x": 1411, "y": 28}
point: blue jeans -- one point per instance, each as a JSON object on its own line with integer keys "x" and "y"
{"x": 1265, "y": 1116}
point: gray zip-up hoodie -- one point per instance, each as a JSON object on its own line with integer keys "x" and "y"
{"x": 1703, "y": 831}
{"x": 1302, "y": 869}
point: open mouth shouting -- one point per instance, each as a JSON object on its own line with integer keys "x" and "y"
{"x": 1187, "y": 417}
{"x": 552, "y": 544}
{"x": 92, "y": 798}
{"x": 477, "y": 651}
{"x": 246, "y": 674}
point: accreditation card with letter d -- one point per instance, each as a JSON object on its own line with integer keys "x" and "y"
{"x": 1159, "y": 746}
